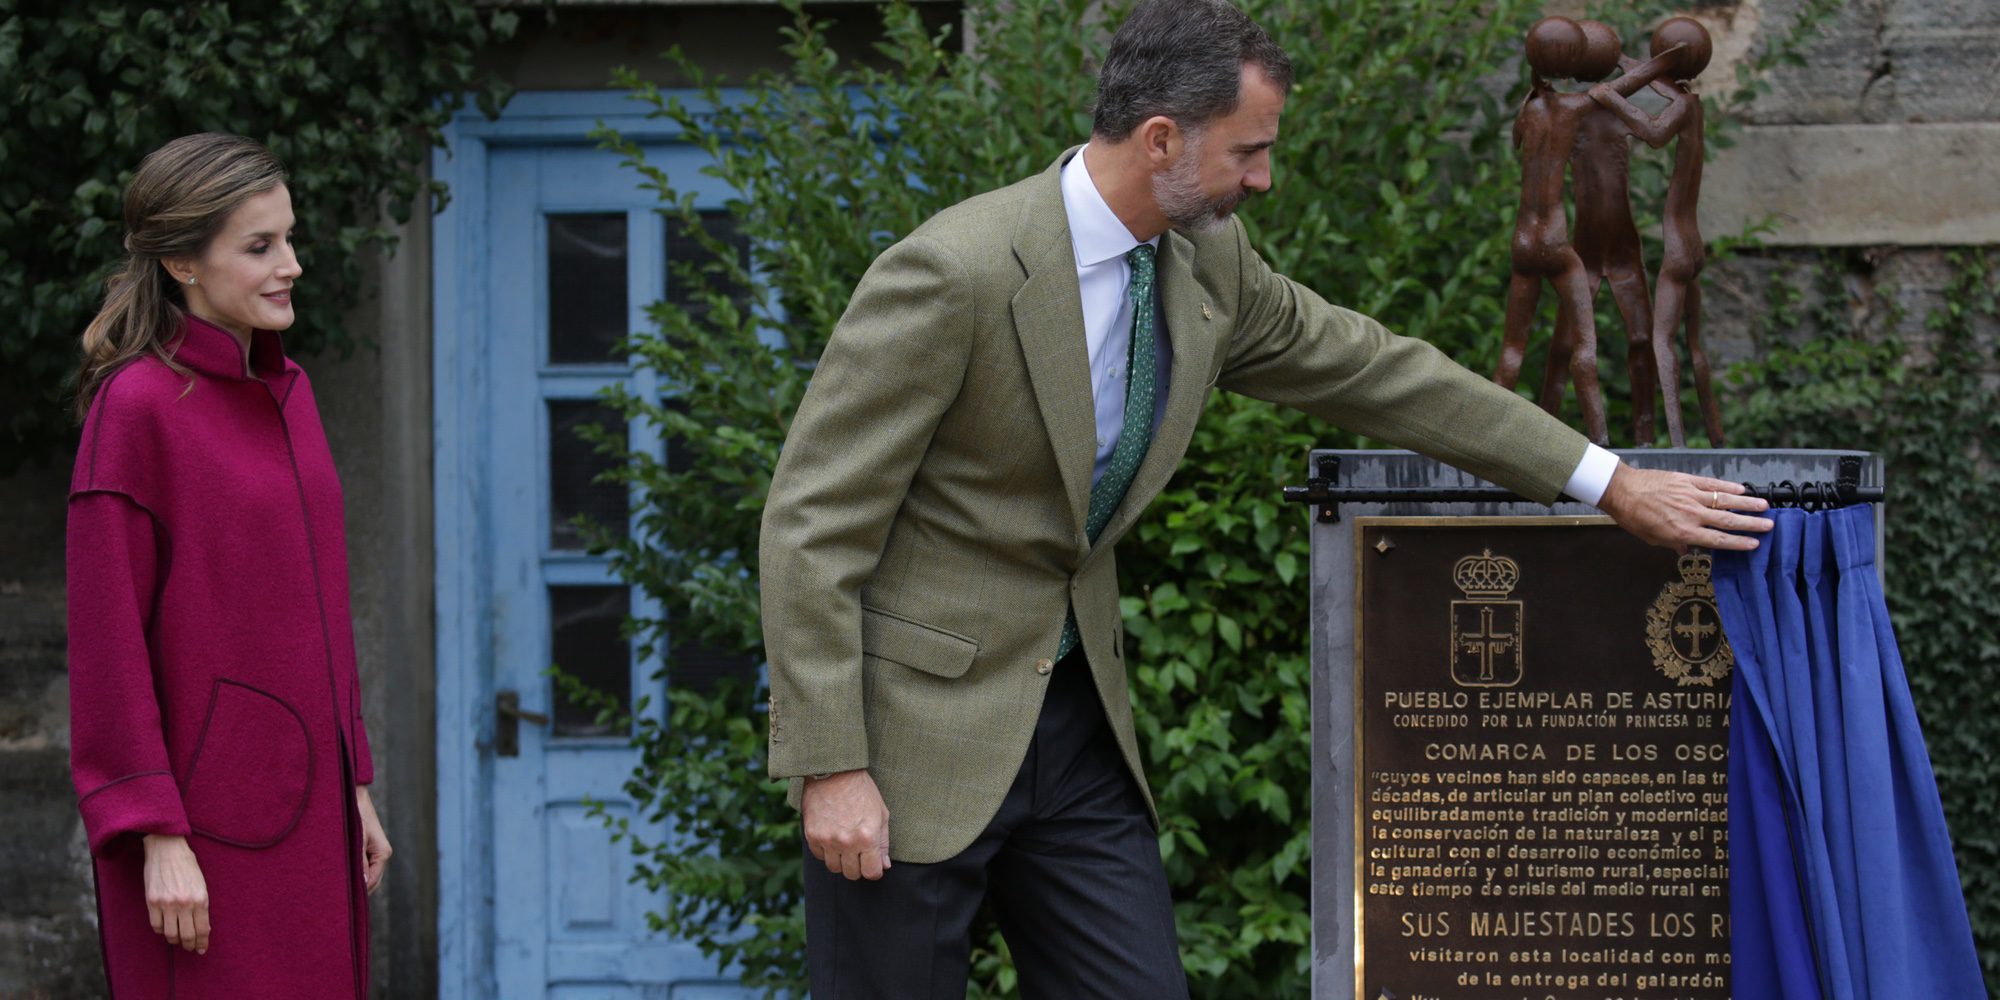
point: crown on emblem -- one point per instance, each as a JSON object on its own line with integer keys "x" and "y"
{"x": 1486, "y": 576}
{"x": 1695, "y": 567}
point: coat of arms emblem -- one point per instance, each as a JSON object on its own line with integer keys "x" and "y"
{"x": 1684, "y": 630}
{"x": 1486, "y": 626}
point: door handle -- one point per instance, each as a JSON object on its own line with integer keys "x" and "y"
{"x": 508, "y": 716}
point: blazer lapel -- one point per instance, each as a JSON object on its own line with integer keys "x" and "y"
{"x": 1048, "y": 318}
{"x": 1184, "y": 309}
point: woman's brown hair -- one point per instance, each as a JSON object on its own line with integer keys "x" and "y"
{"x": 178, "y": 201}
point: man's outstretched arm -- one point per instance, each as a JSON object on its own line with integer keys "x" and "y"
{"x": 1294, "y": 349}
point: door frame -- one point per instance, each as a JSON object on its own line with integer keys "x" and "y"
{"x": 462, "y": 509}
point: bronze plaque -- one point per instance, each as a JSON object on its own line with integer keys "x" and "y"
{"x": 1543, "y": 711}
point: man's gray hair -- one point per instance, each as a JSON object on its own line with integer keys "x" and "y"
{"x": 1183, "y": 59}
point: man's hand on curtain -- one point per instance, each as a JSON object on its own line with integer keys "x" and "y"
{"x": 1676, "y": 510}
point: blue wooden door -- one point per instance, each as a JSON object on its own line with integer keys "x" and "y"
{"x": 572, "y": 253}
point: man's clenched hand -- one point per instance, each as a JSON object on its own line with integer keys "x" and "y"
{"x": 846, "y": 824}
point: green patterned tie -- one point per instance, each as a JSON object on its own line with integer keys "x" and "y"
{"x": 1142, "y": 370}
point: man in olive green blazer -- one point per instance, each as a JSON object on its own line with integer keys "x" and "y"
{"x": 925, "y": 534}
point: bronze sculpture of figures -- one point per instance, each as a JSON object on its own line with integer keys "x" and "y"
{"x": 1677, "y": 295}
{"x": 1607, "y": 240}
{"x": 1545, "y": 131}
{"x": 1587, "y": 134}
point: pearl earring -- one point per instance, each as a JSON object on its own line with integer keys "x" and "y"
{"x": 190, "y": 281}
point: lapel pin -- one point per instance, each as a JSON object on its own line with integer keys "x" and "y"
{"x": 1205, "y": 314}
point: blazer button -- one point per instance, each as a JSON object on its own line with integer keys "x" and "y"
{"x": 1044, "y": 665}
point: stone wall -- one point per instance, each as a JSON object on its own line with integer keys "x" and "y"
{"x": 48, "y": 913}
{"x": 1876, "y": 155}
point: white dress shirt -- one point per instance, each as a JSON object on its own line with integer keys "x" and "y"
{"x": 1101, "y": 242}
{"x": 1105, "y": 278}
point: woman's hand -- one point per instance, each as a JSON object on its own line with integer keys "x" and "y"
{"x": 375, "y": 848}
{"x": 176, "y": 894}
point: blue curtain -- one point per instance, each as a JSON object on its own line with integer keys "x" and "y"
{"x": 1842, "y": 883}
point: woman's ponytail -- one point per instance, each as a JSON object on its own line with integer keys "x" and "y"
{"x": 139, "y": 316}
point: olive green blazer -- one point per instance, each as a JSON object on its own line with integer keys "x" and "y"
{"x": 925, "y": 526}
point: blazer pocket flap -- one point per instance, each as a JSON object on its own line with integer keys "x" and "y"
{"x": 916, "y": 645}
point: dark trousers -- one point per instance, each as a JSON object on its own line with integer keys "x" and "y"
{"x": 1071, "y": 863}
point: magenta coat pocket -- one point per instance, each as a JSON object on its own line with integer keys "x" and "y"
{"x": 252, "y": 768}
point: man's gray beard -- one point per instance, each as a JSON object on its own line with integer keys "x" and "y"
{"x": 1178, "y": 193}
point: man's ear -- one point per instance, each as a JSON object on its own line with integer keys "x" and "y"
{"x": 1161, "y": 139}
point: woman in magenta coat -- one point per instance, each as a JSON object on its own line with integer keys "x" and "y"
{"x": 216, "y": 740}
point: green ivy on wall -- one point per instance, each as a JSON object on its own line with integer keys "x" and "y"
{"x": 350, "y": 95}
{"x": 1926, "y": 403}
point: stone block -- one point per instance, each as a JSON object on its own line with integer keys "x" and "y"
{"x": 1874, "y": 61}
{"x": 52, "y": 958}
{"x": 34, "y": 679}
{"x": 48, "y": 911}
{"x": 1933, "y": 75}
{"x": 1858, "y": 185}
{"x": 39, "y": 876}
{"x": 1839, "y": 54}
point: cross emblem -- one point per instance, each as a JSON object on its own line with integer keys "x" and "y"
{"x": 1695, "y": 630}
{"x": 1486, "y": 643}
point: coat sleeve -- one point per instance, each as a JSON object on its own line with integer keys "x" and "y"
{"x": 118, "y": 753}
{"x": 893, "y": 366}
{"x": 1292, "y": 348}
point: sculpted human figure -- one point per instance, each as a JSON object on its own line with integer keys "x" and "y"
{"x": 1607, "y": 240}
{"x": 1545, "y": 131}
{"x": 1685, "y": 47}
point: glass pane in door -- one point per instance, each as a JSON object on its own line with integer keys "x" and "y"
{"x": 587, "y": 302}
{"x": 683, "y": 247}
{"x": 586, "y": 626}
{"x": 574, "y": 464}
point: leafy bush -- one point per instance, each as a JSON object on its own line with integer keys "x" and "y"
{"x": 350, "y": 95}
{"x": 1395, "y": 194}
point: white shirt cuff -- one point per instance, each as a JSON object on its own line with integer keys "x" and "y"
{"x": 1592, "y": 475}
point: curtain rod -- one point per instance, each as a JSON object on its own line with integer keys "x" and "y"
{"x": 1845, "y": 490}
